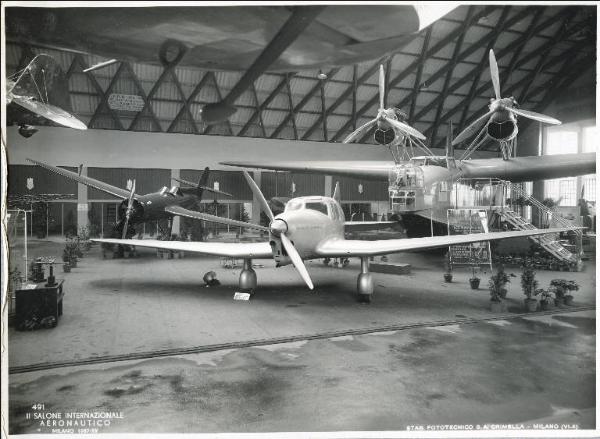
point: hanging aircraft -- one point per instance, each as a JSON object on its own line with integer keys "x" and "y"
{"x": 313, "y": 228}
{"x": 38, "y": 91}
{"x": 135, "y": 208}
{"x": 500, "y": 122}
{"x": 256, "y": 39}
{"x": 423, "y": 188}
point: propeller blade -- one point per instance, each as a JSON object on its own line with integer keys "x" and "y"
{"x": 471, "y": 129}
{"x": 494, "y": 73}
{"x": 258, "y": 194}
{"x": 296, "y": 260}
{"x": 360, "y": 131}
{"x": 406, "y": 129}
{"x": 535, "y": 116}
{"x": 381, "y": 87}
{"x": 129, "y": 210}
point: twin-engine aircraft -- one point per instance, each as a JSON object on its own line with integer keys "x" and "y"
{"x": 313, "y": 228}
{"x": 136, "y": 209}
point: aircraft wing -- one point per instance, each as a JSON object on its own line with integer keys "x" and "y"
{"x": 518, "y": 169}
{"x": 91, "y": 182}
{"x": 356, "y": 226}
{"x": 178, "y": 210}
{"x": 371, "y": 170}
{"x": 242, "y": 250}
{"x": 347, "y": 247}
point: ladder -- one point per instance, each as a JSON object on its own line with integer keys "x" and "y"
{"x": 560, "y": 220}
{"x": 547, "y": 242}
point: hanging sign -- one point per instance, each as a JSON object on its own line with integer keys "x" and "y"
{"x": 117, "y": 101}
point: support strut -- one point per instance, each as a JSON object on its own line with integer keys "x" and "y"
{"x": 364, "y": 283}
{"x": 248, "y": 277}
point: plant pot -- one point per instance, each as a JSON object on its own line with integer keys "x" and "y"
{"x": 503, "y": 293}
{"x": 73, "y": 262}
{"x": 67, "y": 268}
{"x": 568, "y": 299}
{"x": 531, "y": 305}
{"x": 497, "y": 307}
{"x": 545, "y": 305}
{"x": 559, "y": 301}
{"x": 447, "y": 277}
{"x": 474, "y": 281}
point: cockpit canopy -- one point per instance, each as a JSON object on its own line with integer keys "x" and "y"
{"x": 323, "y": 205}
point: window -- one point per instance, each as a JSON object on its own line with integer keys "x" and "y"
{"x": 561, "y": 140}
{"x": 589, "y": 187}
{"x": 590, "y": 137}
{"x": 318, "y": 206}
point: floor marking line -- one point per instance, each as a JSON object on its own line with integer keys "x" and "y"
{"x": 278, "y": 340}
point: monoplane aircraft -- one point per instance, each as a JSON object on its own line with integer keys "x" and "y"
{"x": 313, "y": 228}
{"x": 251, "y": 38}
{"x": 40, "y": 90}
{"x": 500, "y": 122}
{"x": 135, "y": 208}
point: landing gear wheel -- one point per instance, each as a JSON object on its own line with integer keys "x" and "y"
{"x": 345, "y": 262}
{"x": 364, "y": 298}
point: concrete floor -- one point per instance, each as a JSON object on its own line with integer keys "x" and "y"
{"x": 523, "y": 369}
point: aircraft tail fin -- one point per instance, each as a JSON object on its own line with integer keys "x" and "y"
{"x": 449, "y": 146}
{"x": 336, "y": 193}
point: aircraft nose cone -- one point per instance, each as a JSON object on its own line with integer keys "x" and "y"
{"x": 278, "y": 226}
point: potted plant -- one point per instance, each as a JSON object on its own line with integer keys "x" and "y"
{"x": 70, "y": 253}
{"x": 474, "y": 281}
{"x": 571, "y": 286}
{"x": 562, "y": 288}
{"x": 545, "y": 299}
{"x": 497, "y": 291}
{"x": 529, "y": 285}
{"x": 501, "y": 279}
{"x": 448, "y": 273}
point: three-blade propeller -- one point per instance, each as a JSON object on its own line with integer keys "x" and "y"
{"x": 129, "y": 210}
{"x": 384, "y": 116}
{"x": 500, "y": 104}
{"x": 279, "y": 228}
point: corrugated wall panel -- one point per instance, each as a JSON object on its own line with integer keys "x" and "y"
{"x": 146, "y": 180}
{"x": 276, "y": 184}
{"x": 307, "y": 184}
{"x": 371, "y": 190}
{"x": 44, "y": 181}
{"x": 229, "y": 181}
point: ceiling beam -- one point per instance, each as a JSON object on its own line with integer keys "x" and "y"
{"x": 300, "y": 18}
{"x": 104, "y": 97}
{"x": 417, "y": 84}
{"x": 549, "y": 46}
{"x": 187, "y": 104}
{"x": 262, "y": 106}
{"x": 147, "y": 104}
{"x": 312, "y": 92}
{"x": 258, "y": 111}
{"x": 291, "y": 104}
{"x": 407, "y": 71}
{"x": 475, "y": 73}
{"x": 342, "y": 98}
{"x": 208, "y": 128}
{"x": 442, "y": 97}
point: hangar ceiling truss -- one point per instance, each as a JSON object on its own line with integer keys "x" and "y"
{"x": 440, "y": 75}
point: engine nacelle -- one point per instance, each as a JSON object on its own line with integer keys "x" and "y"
{"x": 502, "y": 126}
